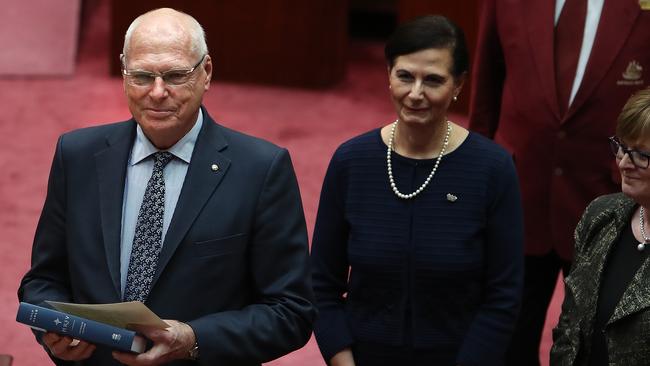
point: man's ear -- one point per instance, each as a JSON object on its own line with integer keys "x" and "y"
{"x": 207, "y": 66}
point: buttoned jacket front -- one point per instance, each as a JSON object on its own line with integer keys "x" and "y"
{"x": 563, "y": 161}
{"x": 234, "y": 262}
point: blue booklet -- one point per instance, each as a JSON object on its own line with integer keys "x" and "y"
{"x": 48, "y": 320}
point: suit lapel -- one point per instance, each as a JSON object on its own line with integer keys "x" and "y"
{"x": 637, "y": 294}
{"x": 111, "y": 166}
{"x": 616, "y": 22}
{"x": 540, "y": 26}
{"x": 199, "y": 185}
{"x": 585, "y": 280}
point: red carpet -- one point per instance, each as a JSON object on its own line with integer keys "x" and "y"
{"x": 311, "y": 124}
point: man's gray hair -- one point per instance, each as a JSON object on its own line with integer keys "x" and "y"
{"x": 196, "y": 31}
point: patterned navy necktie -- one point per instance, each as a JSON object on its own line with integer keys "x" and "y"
{"x": 147, "y": 241}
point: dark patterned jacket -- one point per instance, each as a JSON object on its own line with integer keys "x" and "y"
{"x": 628, "y": 330}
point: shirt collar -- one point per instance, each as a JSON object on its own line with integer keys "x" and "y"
{"x": 143, "y": 148}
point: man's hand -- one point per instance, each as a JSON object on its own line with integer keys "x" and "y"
{"x": 66, "y": 348}
{"x": 170, "y": 344}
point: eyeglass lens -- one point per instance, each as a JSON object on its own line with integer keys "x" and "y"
{"x": 638, "y": 159}
{"x": 169, "y": 78}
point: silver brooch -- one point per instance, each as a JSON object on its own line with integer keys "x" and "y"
{"x": 451, "y": 197}
{"x": 214, "y": 167}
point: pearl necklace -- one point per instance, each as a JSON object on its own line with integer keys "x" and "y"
{"x": 646, "y": 240}
{"x": 433, "y": 171}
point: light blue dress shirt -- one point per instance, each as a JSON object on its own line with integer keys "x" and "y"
{"x": 138, "y": 172}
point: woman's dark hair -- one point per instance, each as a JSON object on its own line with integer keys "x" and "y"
{"x": 430, "y": 31}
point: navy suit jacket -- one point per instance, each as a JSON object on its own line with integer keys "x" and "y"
{"x": 234, "y": 263}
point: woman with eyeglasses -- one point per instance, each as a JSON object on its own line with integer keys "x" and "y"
{"x": 605, "y": 317}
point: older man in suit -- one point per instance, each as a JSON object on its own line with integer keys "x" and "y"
{"x": 202, "y": 223}
{"x": 550, "y": 77}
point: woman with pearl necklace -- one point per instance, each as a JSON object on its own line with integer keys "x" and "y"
{"x": 417, "y": 250}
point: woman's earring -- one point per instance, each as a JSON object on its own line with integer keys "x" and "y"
{"x": 455, "y": 98}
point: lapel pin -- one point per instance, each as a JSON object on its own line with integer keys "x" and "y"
{"x": 451, "y": 197}
{"x": 214, "y": 167}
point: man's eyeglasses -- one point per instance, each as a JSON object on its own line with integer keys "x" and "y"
{"x": 174, "y": 77}
{"x": 640, "y": 159}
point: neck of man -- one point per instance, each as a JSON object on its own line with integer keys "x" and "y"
{"x": 166, "y": 139}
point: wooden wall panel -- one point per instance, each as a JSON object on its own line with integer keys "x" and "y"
{"x": 39, "y": 37}
{"x": 283, "y": 42}
{"x": 462, "y": 12}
